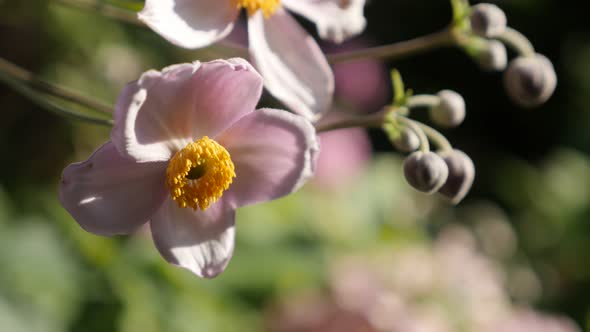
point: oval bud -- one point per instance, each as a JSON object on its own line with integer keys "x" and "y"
{"x": 492, "y": 56}
{"x": 407, "y": 141}
{"x": 450, "y": 112}
{"x": 487, "y": 20}
{"x": 425, "y": 171}
{"x": 530, "y": 81}
{"x": 461, "y": 175}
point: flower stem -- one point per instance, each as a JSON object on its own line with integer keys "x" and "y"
{"x": 445, "y": 37}
{"x": 423, "y": 101}
{"x": 41, "y": 85}
{"x": 517, "y": 41}
{"x": 43, "y": 102}
{"x": 437, "y": 138}
{"x": 373, "y": 120}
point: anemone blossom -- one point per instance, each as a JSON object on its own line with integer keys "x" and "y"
{"x": 293, "y": 66}
{"x": 186, "y": 150}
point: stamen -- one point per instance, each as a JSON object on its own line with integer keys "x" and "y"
{"x": 198, "y": 175}
{"x": 268, "y": 7}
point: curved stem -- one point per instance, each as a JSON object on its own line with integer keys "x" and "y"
{"x": 437, "y": 138}
{"x": 36, "y": 83}
{"x": 373, "y": 120}
{"x": 517, "y": 41}
{"x": 398, "y": 50}
{"x": 423, "y": 101}
{"x": 415, "y": 127}
{"x": 48, "y": 105}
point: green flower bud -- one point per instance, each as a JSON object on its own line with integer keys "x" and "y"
{"x": 487, "y": 20}
{"x": 450, "y": 112}
{"x": 407, "y": 141}
{"x": 492, "y": 56}
{"x": 425, "y": 171}
{"x": 530, "y": 81}
{"x": 461, "y": 175}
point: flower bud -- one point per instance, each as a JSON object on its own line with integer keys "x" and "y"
{"x": 461, "y": 175}
{"x": 425, "y": 171}
{"x": 487, "y": 20}
{"x": 407, "y": 141}
{"x": 530, "y": 81}
{"x": 450, "y": 112}
{"x": 492, "y": 56}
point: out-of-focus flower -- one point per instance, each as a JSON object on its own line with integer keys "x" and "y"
{"x": 363, "y": 85}
{"x": 526, "y": 320}
{"x": 344, "y": 155}
{"x": 443, "y": 287}
{"x": 186, "y": 150}
{"x": 292, "y": 64}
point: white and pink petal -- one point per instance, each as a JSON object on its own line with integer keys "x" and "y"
{"x": 199, "y": 241}
{"x": 190, "y": 23}
{"x": 109, "y": 194}
{"x": 336, "y": 20}
{"x": 274, "y": 153}
{"x": 163, "y": 111}
{"x": 294, "y": 68}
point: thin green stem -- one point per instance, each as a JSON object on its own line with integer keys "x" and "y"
{"x": 373, "y": 120}
{"x": 437, "y": 138}
{"x": 445, "y": 37}
{"x": 41, "y": 85}
{"x": 423, "y": 101}
{"x": 415, "y": 127}
{"x": 517, "y": 41}
{"x": 43, "y": 102}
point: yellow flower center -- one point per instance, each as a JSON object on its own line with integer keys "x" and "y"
{"x": 268, "y": 7}
{"x": 198, "y": 175}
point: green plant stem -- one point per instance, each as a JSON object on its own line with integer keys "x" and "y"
{"x": 43, "y": 102}
{"x": 517, "y": 41}
{"x": 423, "y": 101}
{"x": 41, "y": 85}
{"x": 445, "y": 37}
{"x": 373, "y": 120}
{"x": 437, "y": 138}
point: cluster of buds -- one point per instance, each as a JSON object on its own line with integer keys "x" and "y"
{"x": 448, "y": 171}
{"x": 529, "y": 78}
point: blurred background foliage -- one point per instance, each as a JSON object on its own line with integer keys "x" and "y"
{"x": 527, "y": 215}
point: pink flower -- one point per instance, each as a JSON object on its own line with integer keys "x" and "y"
{"x": 293, "y": 66}
{"x": 186, "y": 150}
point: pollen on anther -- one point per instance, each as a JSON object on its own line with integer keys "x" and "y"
{"x": 267, "y": 7}
{"x": 215, "y": 174}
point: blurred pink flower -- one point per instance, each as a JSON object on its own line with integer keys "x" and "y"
{"x": 186, "y": 150}
{"x": 345, "y": 154}
{"x": 294, "y": 69}
{"x": 364, "y": 86}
